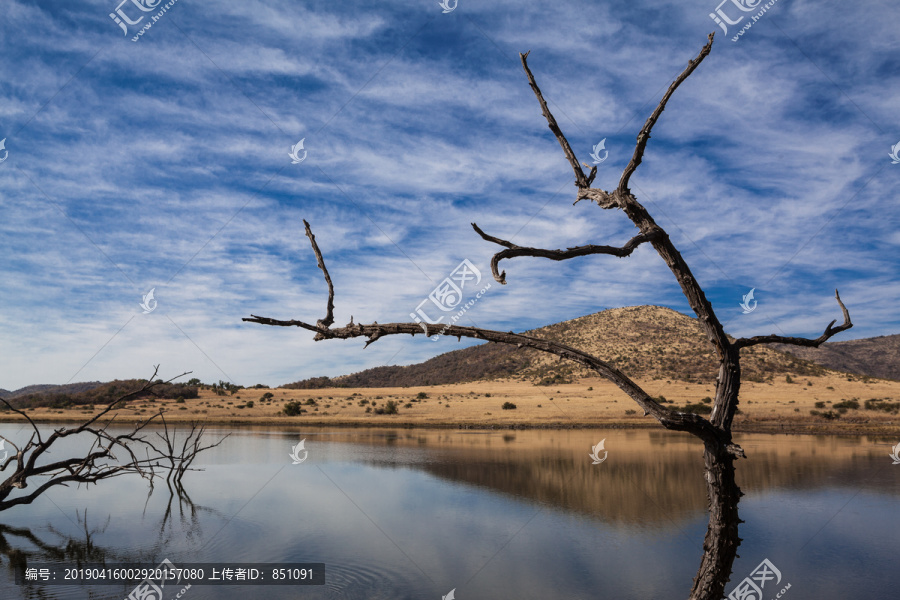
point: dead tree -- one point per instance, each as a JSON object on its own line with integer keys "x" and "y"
{"x": 178, "y": 460}
{"x": 139, "y": 455}
{"x": 720, "y": 545}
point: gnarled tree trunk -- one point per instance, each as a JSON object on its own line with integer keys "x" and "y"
{"x": 721, "y": 542}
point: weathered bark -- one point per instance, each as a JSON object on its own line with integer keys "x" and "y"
{"x": 722, "y": 538}
{"x": 722, "y": 541}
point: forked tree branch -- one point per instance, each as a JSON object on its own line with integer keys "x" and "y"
{"x": 513, "y": 250}
{"x": 622, "y": 198}
{"x": 583, "y": 182}
{"x": 796, "y": 341}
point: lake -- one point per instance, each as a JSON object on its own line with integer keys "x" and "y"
{"x": 414, "y": 514}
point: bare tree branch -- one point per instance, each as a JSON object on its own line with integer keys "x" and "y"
{"x": 100, "y": 462}
{"x": 329, "y": 307}
{"x": 602, "y": 198}
{"x": 180, "y": 462}
{"x": 622, "y": 198}
{"x": 37, "y": 433}
{"x": 580, "y": 180}
{"x": 644, "y": 135}
{"x": 676, "y": 421}
{"x": 796, "y": 341}
{"x": 514, "y": 250}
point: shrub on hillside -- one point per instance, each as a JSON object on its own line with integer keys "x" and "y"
{"x": 829, "y": 415}
{"x": 852, "y": 404}
{"x": 876, "y": 404}
{"x": 293, "y": 409}
{"x": 554, "y": 379}
{"x": 390, "y": 408}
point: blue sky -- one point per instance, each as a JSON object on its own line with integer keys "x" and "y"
{"x": 163, "y": 164}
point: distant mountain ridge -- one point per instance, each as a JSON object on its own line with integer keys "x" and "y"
{"x": 642, "y": 341}
{"x": 68, "y": 395}
{"x": 875, "y": 356}
{"x": 48, "y": 388}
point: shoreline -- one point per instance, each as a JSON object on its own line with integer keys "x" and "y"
{"x": 827, "y": 405}
{"x": 845, "y": 428}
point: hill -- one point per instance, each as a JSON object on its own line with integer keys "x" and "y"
{"x": 643, "y": 341}
{"x": 875, "y": 357}
{"x": 67, "y": 388}
{"x": 102, "y": 393}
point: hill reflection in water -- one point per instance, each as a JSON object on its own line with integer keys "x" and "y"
{"x": 649, "y": 477}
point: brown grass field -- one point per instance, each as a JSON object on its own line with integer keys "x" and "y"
{"x": 765, "y": 407}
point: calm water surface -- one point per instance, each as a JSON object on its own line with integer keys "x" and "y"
{"x": 412, "y": 514}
